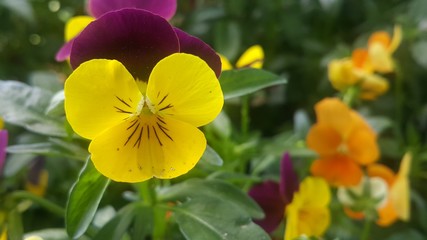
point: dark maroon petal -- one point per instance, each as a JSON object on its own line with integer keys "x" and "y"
{"x": 195, "y": 46}
{"x": 36, "y": 168}
{"x": 288, "y": 179}
{"x": 3, "y": 145}
{"x": 267, "y": 195}
{"x": 136, "y": 38}
{"x": 164, "y": 8}
{"x": 64, "y": 52}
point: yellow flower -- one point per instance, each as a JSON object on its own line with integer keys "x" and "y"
{"x": 341, "y": 74}
{"x": 381, "y": 47}
{"x": 308, "y": 213}
{"x": 253, "y": 57}
{"x": 142, "y": 130}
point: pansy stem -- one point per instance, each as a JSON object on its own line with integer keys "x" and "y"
{"x": 147, "y": 192}
{"x": 350, "y": 95}
{"x": 245, "y": 115}
{"x": 366, "y": 229}
{"x": 52, "y": 207}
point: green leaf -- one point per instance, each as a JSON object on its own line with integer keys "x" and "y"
{"x": 84, "y": 199}
{"x": 121, "y": 223}
{"x": 23, "y": 105}
{"x": 221, "y": 190}
{"x": 15, "y": 228}
{"x": 56, "y": 105}
{"x": 55, "y": 147}
{"x": 236, "y": 83}
{"x": 212, "y": 209}
{"x": 205, "y": 217}
{"x": 52, "y": 234}
{"x": 211, "y": 157}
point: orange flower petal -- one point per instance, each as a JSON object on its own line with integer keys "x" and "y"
{"x": 387, "y": 215}
{"x": 333, "y": 112}
{"x": 360, "y": 59}
{"x": 382, "y": 171}
{"x": 338, "y": 171}
{"x": 353, "y": 214}
{"x": 362, "y": 146}
{"x": 323, "y": 139}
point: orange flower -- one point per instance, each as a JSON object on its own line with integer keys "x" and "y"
{"x": 397, "y": 205}
{"x": 343, "y": 140}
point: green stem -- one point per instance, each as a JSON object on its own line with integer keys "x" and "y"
{"x": 147, "y": 192}
{"x": 52, "y": 207}
{"x": 366, "y": 229}
{"x": 350, "y": 95}
{"x": 245, "y": 115}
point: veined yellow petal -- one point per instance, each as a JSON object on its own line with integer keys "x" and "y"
{"x": 396, "y": 40}
{"x": 225, "y": 63}
{"x": 184, "y": 87}
{"x": 253, "y": 57}
{"x": 75, "y": 25}
{"x": 98, "y": 95}
{"x": 147, "y": 146}
{"x": 400, "y": 189}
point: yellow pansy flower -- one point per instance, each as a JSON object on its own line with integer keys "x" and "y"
{"x": 308, "y": 213}
{"x": 141, "y": 130}
{"x": 341, "y": 74}
{"x": 253, "y": 57}
{"x": 381, "y": 47}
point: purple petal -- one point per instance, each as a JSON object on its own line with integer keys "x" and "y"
{"x": 267, "y": 195}
{"x": 3, "y": 145}
{"x": 64, "y": 52}
{"x": 164, "y": 8}
{"x": 195, "y": 46}
{"x": 136, "y": 38}
{"x": 288, "y": 179}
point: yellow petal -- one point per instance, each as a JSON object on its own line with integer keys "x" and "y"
{"x": 225, "y": 63}
{"x": 396, "y": 40}
{"x": 1, "y": 123}
{"x": 253, "y": 57}
{"x": 308, "y": 213}
{"x": 400, "y": 189}
{"x": 373, "y": 86}
{"x": 184, "y": 87}
{"x": 341, "y": 74}
{"x": 75, "y": 25}
{"x": 38, "y": 189}
{"x": 98, "y": 95}
{"x": 380, "y": 58}
{"x": 147, "y": 146}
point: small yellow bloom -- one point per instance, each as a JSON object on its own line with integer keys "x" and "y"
{"x": 308, "y": 213}
{"x": 381, "y": 47}
{"x": 373, "y": 86}
{"x": 253, "y": 57}
{"x": 341, "y": 74}
{"x": 140, "y": 131}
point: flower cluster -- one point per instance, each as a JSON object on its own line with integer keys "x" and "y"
{"x": 363, "y": 68}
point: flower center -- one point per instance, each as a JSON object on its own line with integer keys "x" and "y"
{"x": 342, "y": 148}
{"x": 145, "y": 107}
